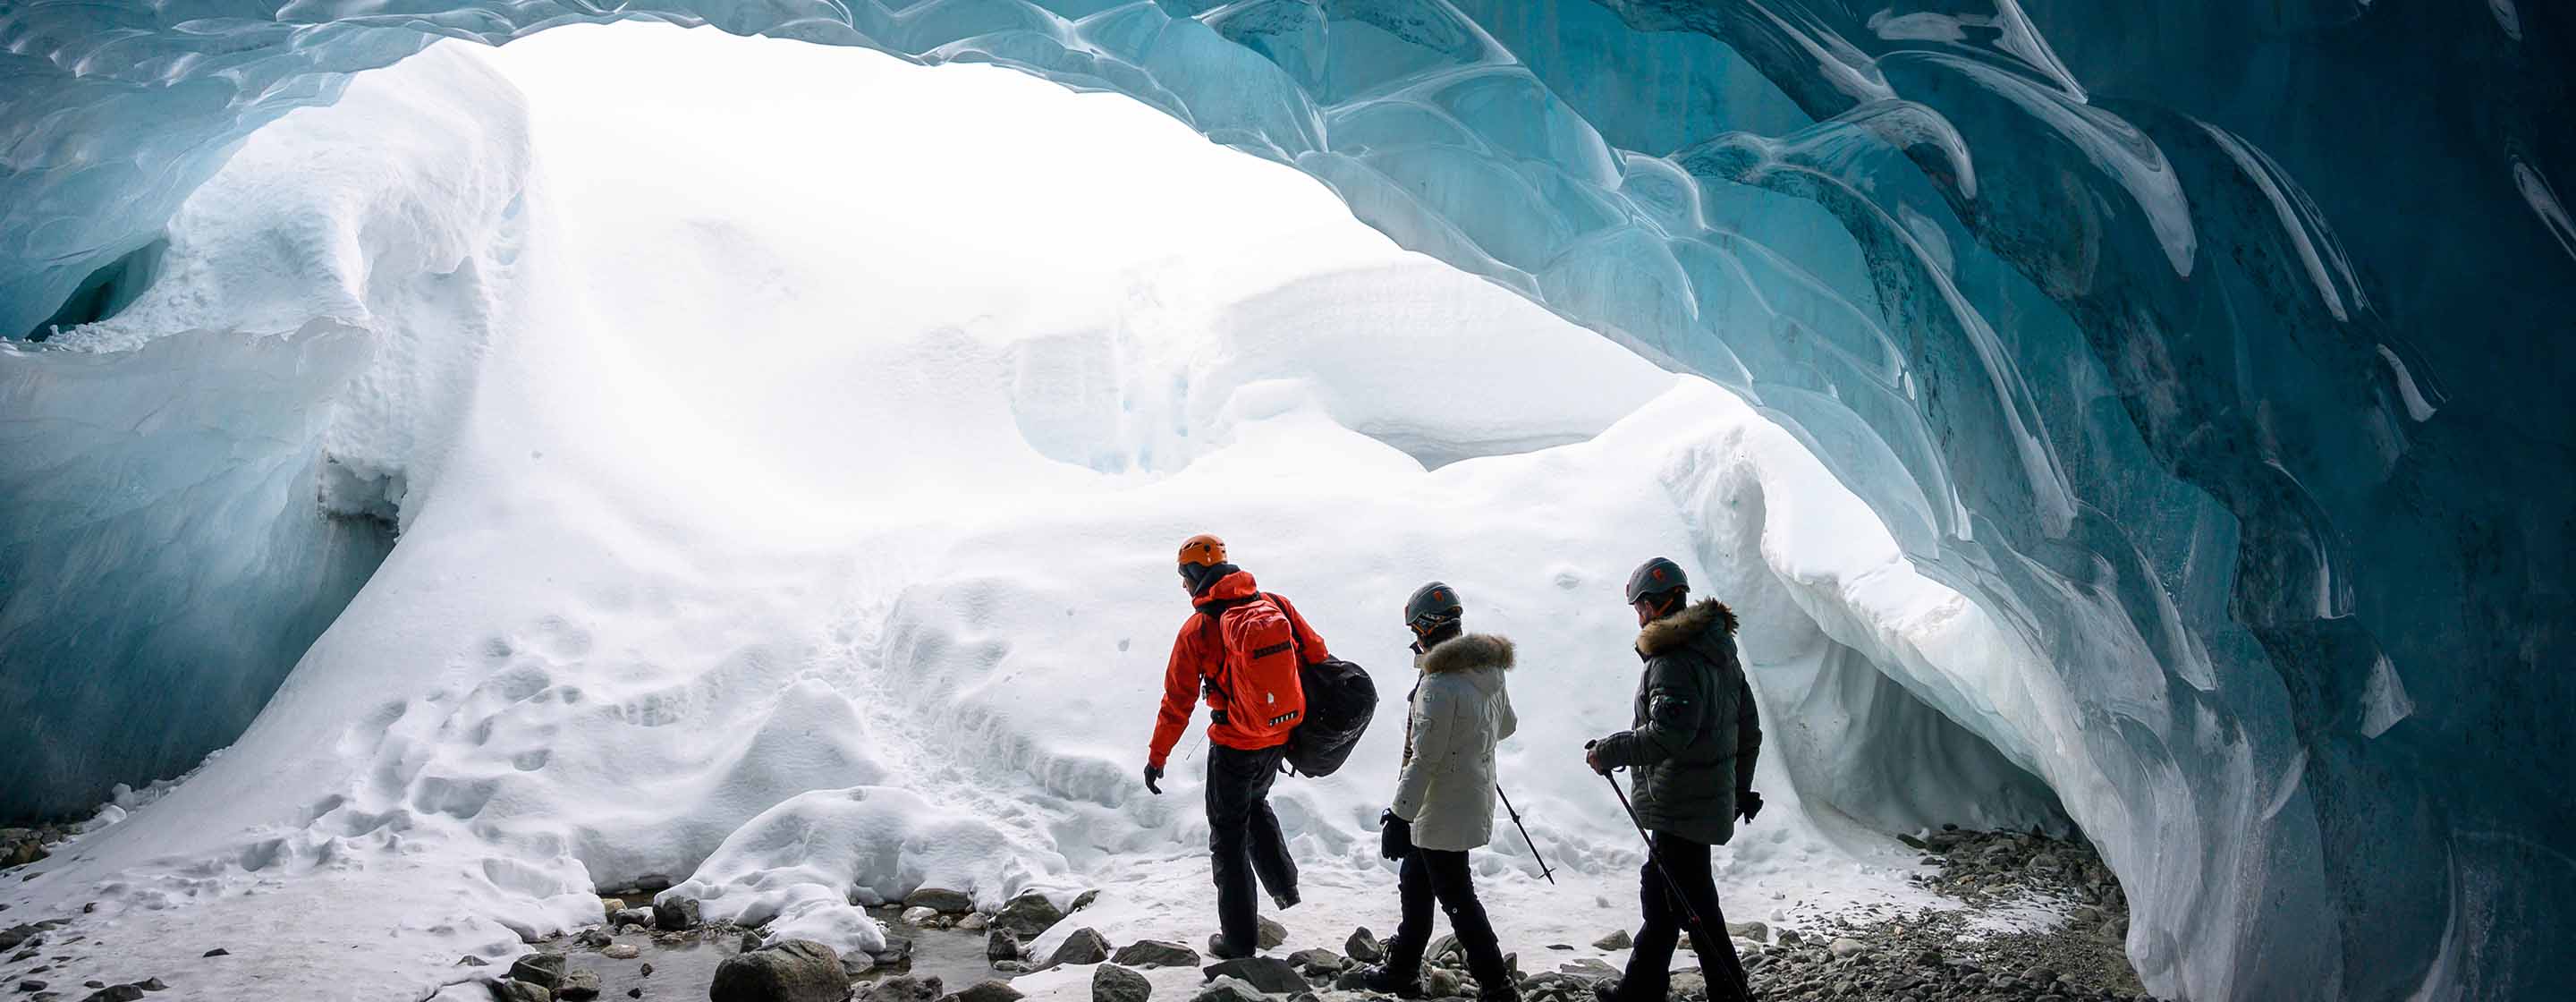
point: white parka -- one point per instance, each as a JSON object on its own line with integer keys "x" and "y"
{"x": 1460, "y": 709}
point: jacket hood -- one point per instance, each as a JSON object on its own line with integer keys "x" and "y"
{"x": 1673, "y": 631}
{"x": 1467, "y": 652}
{"x": 1234, "y": 585}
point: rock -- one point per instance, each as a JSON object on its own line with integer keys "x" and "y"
{"x": 470, "y": 960}
{"x": 1364, "y": 947}
{"x": 579, "y": 984}
{"x": 796, "y": 970}
{"x": 1440, "y": 983}
{"x": 1589, "y": 967}
{"x": 150, "y": 984}
{"x": 940, "y": 899}
{"x": 1844, "y": 946}
{"x": 634, "y": 916}
{"x": 611, "y": 906}
{"x": 1445, "y": 952}
{"x": 1229, "y": 990}
{"x": 920, "y": 916}
{"x": 647, "y": 970}
{"x": 675, "y": 913}
{"x": 1156, "y": 953}
{"x": 620, "y": 951}
{"x": 1012, "y": 966}
{"x": 1028, "y": 915}
{"x": 1001, "y": 945}
{"x": 115, "y": 993}
{"x": 218, "y": 952}
{"x": 1112, "y": 983}
{"x": 1317, "y": 961}
{"x": 31, "y": 985}
{"x": 544, "y": 970}
{"x": 974, "y": 923}
{"x": 905, "y": 988}
{"x": 1615, "y": 941}
{"x": 750, "y": 941}
{"x": 1272, "y": 934}
{"x": 1265, "y": 974}
{"x": 988, "y": 990}
{"x": 1754, "y": 931}
{"x": 1084, "y": 900}
{"x": 1790, "y": 937}
{"x": 897, "y": 950}
{"x": 520, "y": 991}
{"x": 1085, "y": 946}
{"x": 593, "y": 938}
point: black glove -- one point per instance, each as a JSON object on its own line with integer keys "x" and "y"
{"x": 1748, "y": 804}
{"x": 1394, "y": 835}
{"x": 1154, "y": 774}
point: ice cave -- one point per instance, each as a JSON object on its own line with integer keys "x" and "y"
{"x": 467, "y": 458}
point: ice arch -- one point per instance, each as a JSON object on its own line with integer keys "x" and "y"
{"x": 2266, "y": 450}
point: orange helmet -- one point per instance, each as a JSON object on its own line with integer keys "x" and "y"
{"x": 1203, "y": 550}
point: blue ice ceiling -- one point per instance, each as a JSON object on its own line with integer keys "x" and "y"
{"x": 2222, "y": 348}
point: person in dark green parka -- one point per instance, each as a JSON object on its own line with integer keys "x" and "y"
{"x": 1690, "y": 750}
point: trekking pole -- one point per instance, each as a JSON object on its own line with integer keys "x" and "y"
{"x": 1525, "y": 838}
{"x": 1670, "y": 884}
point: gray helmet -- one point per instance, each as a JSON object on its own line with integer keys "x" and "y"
{"x": 1656, "y": 577}
{"x": 1432, "y": 606}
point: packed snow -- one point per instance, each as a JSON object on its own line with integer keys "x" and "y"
{"x": 788, "y": 475}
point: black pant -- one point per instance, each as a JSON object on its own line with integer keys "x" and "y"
{"x": 1244, "y": 839}
{"x": 1649, "y": 975}
{"x": 1428, "y": 875}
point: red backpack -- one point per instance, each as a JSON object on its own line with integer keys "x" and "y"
{"x": 1257, "y": 682}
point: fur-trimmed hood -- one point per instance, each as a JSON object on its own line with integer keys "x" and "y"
{"x": 1671, "y": 632}
{"x": 1467, "y": 652}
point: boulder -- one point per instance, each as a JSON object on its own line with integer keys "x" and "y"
{"x": 544, "y": 970}
{"x": 1272, "y": 934}
{"x": 987, "y": 990}
{"x": 796, "y": 970}
{"x": 1028, "y": 915}
{"x": 1267, "y": 974}
{"x": 940, "y": 899}
{"x": 1001, "y": 945}
{"x": 520, "y": 991}
{"x": 1615, "y": 941}
{"x": 675, "y": 913}
{"x": 1317, "y": 961}
{"x": 974, "y": 922}
{"x": 920, "y": 916}
{"x": 906, "y": 988}
{"x": 620, "y": 951}
{"x": 634, "y": 916}
{"x": 1112, "y": 983}
{"x": 1364, "y": 947}
{"x": 578, "y": 984}
{"x": 1156, "y": 953}
{"x": 1085, "y": 946}
{"x": 1845, "y": 946}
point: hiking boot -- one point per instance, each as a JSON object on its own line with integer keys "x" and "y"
{"x": 1384, "y": 981}
{"x": 1219, "y": 948}
{"x": 1498, "y": 990}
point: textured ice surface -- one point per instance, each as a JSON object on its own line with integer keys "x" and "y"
{"x": 2210, "y": 349}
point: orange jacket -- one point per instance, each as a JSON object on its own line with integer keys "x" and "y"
{"x": 1195, "y": 655}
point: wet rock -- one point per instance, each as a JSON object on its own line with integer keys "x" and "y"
{"x": 1112, "y": 983}
{"x": 1083, "y": 900}
{"x": 115, "y": 993}
{"x": 906, "y": 989}
{"x": 593, "y": 938}
{"x": 1028, "y": 915}
{"x": 1615, "y": 941}
{"x": 470, "y": 960}
{"x": 987, "y": 990}
{"x": 920, "y": 916}
{"x": 1001, "y": 945}
{"x": 675, "y": 913}
{"x": 1363, "y": 946}
{"x": 520, "y": 991}
{"x": 31, "y": 985}
{"x": 1266, "y": 974}
{"x": 218, "y": 952}
{"x": 578, "y": 984}
{"x": 544, "y": 970}
{"x": 1012, "y": 966}
{"x": 796, "y": 970}
{"x": 1085, "y": 946}
{"x": 974, "y": 923}
{"x": 150, "y": 984}
{"x": 1272, "y": 934}
{"x": 940, "y": 899}
{"x": 897, "y": 950}
{"x": 620, "y": 951}
{"x": 1156, "y": 953}
{"x": 634, "y": 916}
{"x": 1440, "y": 983}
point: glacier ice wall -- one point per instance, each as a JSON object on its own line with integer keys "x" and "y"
{"x": 2210, "y": 347}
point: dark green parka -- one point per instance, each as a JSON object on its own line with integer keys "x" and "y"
{"x": 1691, "y": 750}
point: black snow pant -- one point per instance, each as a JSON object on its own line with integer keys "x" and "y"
{"x": 1244, "y": 840}
{"x": 1430, "y": 875}
{"x": 1649, "y": 976}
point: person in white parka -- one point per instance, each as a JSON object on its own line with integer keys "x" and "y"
{"x": 1444, "y": 799}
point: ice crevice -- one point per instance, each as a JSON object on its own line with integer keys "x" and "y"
{"x": 2106, "y": 344}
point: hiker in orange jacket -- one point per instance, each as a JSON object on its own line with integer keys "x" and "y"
{"x": 1245, "y": 747}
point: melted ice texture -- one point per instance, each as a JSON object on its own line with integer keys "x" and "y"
{"x": 2262, "y": 578}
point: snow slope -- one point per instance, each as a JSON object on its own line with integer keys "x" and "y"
{"x": 807, "y": 545}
